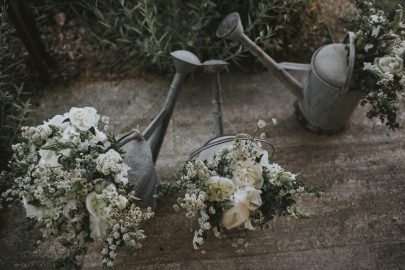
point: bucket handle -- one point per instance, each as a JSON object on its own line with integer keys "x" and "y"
{"x": 351, "y": 40}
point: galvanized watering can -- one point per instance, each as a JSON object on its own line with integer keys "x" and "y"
{"x": 142, "y": 149}
{"x": 325, "y": 101}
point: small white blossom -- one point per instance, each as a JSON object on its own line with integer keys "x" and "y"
{"x": 110, "y": 162}
{"x": 368, "y": 47}
{"x": 261, "y": 124}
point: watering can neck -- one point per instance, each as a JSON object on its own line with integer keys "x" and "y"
{"x": 293, "y": 85}
{"x": 156, "y": 131}
{"x": 174, "y": 90}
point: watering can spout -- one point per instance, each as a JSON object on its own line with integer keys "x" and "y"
{"x": 231, "y": 28}
{"x": 142, "y": 149}
{"x": 184, "y": 62}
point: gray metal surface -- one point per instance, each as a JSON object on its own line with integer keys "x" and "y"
{"x": 325, "y": 102}
{"x": 330, "y": 64}
{"x": 184, "y": 62}
{"x": 215, "y": 67}
{"x": 142, "y": 175}
{"x": 231, "y": 28}
{"x": 213, "y": 146}
{"x": 142, "y": 150}
{"x": 207, "y": 152}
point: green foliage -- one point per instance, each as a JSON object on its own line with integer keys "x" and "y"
{"x": 145, "y": 31}
{"x": 388, "y": 5}
{"x": 13, "y": 108}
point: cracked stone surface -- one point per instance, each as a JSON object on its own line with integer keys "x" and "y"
{"x": 358, "y": 224}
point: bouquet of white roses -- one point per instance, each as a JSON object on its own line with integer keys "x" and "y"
{"x": 72, "y": 181}
{"x": 237, "y": 188}
{"x": 379, "y": 69}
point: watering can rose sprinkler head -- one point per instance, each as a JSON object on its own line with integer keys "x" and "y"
{"x": 142, "y": 149}
{"x": 214, "y": 66}
{"x": 325, "y": 105}
{"x": 185, "y": 61}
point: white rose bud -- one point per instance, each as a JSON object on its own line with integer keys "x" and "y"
{"x": 121, "y": 202}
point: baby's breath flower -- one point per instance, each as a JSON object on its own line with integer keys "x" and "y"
{"x": 261, "y": 124}
{"x": 53, "y": 175}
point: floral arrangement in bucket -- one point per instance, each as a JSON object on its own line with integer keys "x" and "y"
{"x": 73, "y": 183}
{"x": 237, "y": 188}
{"x": 379, "y": 69}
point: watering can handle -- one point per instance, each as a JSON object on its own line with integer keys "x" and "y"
{"x": 351, "y": 39}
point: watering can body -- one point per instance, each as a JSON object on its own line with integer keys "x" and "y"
{"x": 325, "y": 101}
{"x": 142, "y": 175}
{"x": 142, "y": 149}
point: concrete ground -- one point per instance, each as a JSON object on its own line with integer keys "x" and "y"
{"x": 358, "y": 224}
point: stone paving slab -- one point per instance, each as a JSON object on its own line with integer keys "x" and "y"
{"x": 358, "y": 224}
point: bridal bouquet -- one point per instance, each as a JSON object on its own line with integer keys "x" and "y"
{"x": 238, "y": 188}
{"x": 379, "y": 68}
{"x": 73, "y": 183}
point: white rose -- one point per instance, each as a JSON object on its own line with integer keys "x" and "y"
{"x": 122, "y": 177}
{"x": 389, "y": 64}
{"x": 98, "y": 226}
{"x": 219, "y": 188}
{"x": 48, "y": 158}
{"x": 236, "y": 216}
{"x": 249, "y": 196}
{"x": 84, "y": 118}
{"x": 121, "y": 202}
{"x": 247, "y": 173}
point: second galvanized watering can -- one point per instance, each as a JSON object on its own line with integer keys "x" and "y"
{"x": 142, "y": 148}
{"x": 325, "y": 101}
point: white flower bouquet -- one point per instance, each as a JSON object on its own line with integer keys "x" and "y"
{"x": 237, "y": 188}
{"x": 73, "y": 183}
{"x": 379, "y": 69}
